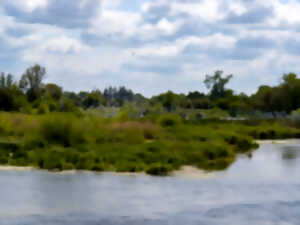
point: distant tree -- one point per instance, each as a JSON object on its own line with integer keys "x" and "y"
{"x": 269, "y": 99}
{"x": 76, "y": 100}
{"x": 6, "y": 100}
{"x": 83, "y": 95}
{"x": 195, "y": 95}
{"x": 93, "y": 99}
{"x": 284, "y": 97}
{"x": 125, "y": 94}
{"x": 291, "y": 90}
{"x": 118, "y": 96}
{"x": 216, "y": 83}
{"x": 66, "y": 105}
{"x": 54, "y": 91}
{"x": 31, "y": 81}
{"x": 202, "y": 103}
{"x": 11, "y": 97}
{"x": 6, "y": 81}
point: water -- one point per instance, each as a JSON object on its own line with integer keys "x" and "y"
{"x": 263, "y": 190}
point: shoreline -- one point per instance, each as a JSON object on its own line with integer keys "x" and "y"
{"x": 192, "y": 172}
{"x": 189, "y": 172}
{"x": 16, "y": 168}
{"x": 279, "y": 141}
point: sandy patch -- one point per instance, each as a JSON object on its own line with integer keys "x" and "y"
{"x": 275, "y": 141}
{"x": 15, "y": 168}
{"x": 131, "y": 174}
{"x": 188, "y": 172}
{"x": 192, "y": 172}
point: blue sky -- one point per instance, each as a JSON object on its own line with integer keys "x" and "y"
{"x": 151, "y": 46}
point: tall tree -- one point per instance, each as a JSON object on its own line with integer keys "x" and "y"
{"x": 216, "y": 83}
{"x": 31, "y": 81}
{"x": 6, "y": 81}
{"x": 54, "y": 91}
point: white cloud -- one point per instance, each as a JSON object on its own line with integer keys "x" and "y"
{"x": 288, "y": 12}
{"x": 166, "y": 27}
{"x": 63, "y": 45}
{"x": 30, "y": 5}
{"x": 173, "y": 48}
{"x": 114, "y": 21}
{"x": 237, "y": 7}
{"x": 207, "y": 10}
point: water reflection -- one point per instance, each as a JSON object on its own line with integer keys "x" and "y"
{"x": 263, "y": 189}
{"x": 290, "y": 153}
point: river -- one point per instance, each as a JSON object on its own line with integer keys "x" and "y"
{"x": 262, "y": 190}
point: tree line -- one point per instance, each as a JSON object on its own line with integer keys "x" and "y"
{"x": 31, "y": 93}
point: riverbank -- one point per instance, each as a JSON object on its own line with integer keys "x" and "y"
{"x": 187, "y": 172}
{"x": 15, "y": 168}
{"x": 156, "y": 145}
{"x": 282, "y": 141}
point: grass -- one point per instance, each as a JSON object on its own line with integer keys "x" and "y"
{"x": 65, "y": 141}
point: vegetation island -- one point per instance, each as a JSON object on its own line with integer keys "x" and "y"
{"x": 44, "y": 127}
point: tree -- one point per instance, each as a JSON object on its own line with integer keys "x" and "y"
{"x": 195, "y": 95}
{"x": 216, "y": 83}
{"x": 291, "y": 91}
{"x": 31, "y": 81}
{"x": 54, "y": 91}
{"x": 118, "y": 96}
{"x": 269, "y": 99}
{"x": 169, "y": 100}
{"x": 6, "y": 81}
{"x": 75, "y": 98}
{"x": 11, "y": 97}
{"x": 93, "y": 99}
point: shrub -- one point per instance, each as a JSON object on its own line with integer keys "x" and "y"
{"x": 84, "y": 162}
{"x": 158, "y": 169}
{"x": 64, "y": 130}
{"x": 97, "y": 167}
{"x": 169, "y": 120}
{"x": 52, "y": 161}
{"x": 68, "y": 166}
{"x": 3, "y": 159}
{"x": 43, "y": 109}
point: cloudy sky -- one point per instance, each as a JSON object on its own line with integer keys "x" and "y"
{"x": 151, "y": 46}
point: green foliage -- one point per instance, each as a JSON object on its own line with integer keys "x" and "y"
{"x": 93, "y": 100}
{"x": 65, "y": 130}
{"x": 216, "y": 83}
{"x": 169, "y": 120}
{"x": 54, "y": 91}
{"x": 118, "y": 130}
{"x": 284, "y": 97}
{"x": 43, "y": 109}
{"x": 66, "y": 105}
{"x": 158, "y": 169}
{"x": 31, "y": 81}
{"x": 64, "y": 141}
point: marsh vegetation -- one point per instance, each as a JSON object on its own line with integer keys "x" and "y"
{"x": 116, "y": 130}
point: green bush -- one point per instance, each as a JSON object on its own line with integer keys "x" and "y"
{"x": 52, "y": 161}
{"x": 68, "y": 166}
{"x": 170, "y": 120}
{"x": 158, "y": 169}
{"x": 64, "y": 130}
{"x": 43, "y": 109}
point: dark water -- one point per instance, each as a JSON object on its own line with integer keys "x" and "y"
{"x": 262, "y": 190}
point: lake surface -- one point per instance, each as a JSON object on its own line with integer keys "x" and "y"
{"x": 262, "y": 190}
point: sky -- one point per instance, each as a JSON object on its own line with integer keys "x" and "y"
{"x": 151, "y": 46}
